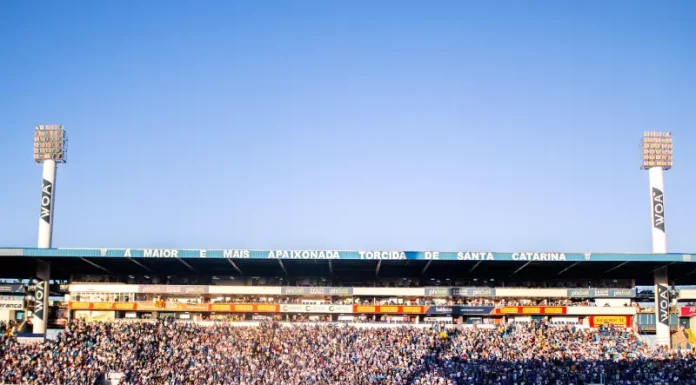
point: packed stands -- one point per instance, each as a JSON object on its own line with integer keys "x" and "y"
{"x": 403, "y": 282}
{"x": 184, "y": 353}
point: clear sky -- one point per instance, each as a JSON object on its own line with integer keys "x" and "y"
{"x": 446, "y": 125}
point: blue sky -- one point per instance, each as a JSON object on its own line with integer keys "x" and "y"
{"x": 449, "y": 125}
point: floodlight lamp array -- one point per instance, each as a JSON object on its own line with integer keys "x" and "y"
{"x": 657, "y": 150}
{"x": 50, "y": 143}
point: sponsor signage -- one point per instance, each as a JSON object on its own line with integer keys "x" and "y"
{"x": 459, "y": 310}
{"x": 662, "y": 304}
{"x": 245, "y": 308}
{"x": 473, "y": 292}
{"x": 530, "y": 310}
{"x": 102, "y": 306}
{"x": 266, "y": 308}
{"x": 46, "y": 198}
{"x": 296, "y": 308}
{"x": 11, "y": 305}
{"x": 438, "y": 291}
{"x": 124, "y": 306}
{"x": 658, "y": 209}
{"x": 616, "y": 320}
{"x": 459, "y": 292}
{"x": 193, "y": 307}
{"x": 388, "y": 309}
{"x": 463, "y": 256}
{"x": 601, "y": 293}
{"x": 173, "y": 289}
{"x": 80, "y": 305}
{"x": 40, "y": 297}
{"x": 439, "y": 310}
{"x": 411, "y": 309}
{"x": 171, "y": 306}
{"x": 687, "y": 311}
{"x": 360, "y": 309}
{"x": 11, "y": 288}
{"x": 287, "y": 290}
{"x": 152, "y": 306}
{"x": 189, "y": 307}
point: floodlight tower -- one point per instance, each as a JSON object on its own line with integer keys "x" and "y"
{"x": 50, "y": 148}
{"x": 657, "y": 157}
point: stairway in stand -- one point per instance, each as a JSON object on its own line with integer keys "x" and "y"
{"x": 679, "y": 340}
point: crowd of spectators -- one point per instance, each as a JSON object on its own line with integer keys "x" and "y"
{"x": 332, "y": 282}
{"x": 537, "y": 353}
{"x": 356, "y": 300}
{"x": 176, "y": 353}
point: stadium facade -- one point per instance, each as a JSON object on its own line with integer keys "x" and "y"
{"x": 459, "y": 287}
{"x": 333, "y": 285}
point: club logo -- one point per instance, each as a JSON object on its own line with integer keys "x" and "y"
{"x": 46, "y": 198}
{"x": 663, "y": 304}
{"x": 658, "y": 205}
{"x": 39, "y": 296}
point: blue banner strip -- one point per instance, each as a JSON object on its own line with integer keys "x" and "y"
{"x": 348, "y": 255}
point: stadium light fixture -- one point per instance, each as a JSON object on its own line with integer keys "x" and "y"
{"x": 657, "y": 150}
{"x": 50, "y": 148}
{"x": 50, "y": 143}
{"x": 657, "y": 157}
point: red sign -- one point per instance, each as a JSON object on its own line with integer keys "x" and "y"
{"x": 616, "y": 320}
{"x": 687, "y": 311}
{"x": 531, "y": 310}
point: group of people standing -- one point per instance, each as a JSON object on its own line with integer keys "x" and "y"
{"x": 186, "y": 353}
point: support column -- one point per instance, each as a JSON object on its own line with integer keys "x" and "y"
{"x": 40, "y": 317}
{"x": 662, "y": 304}
{"x": 47, "y": 204}
{"x": 43, "y": 269}
{"x": 659, "y": 246}
{"x": 657, "y": 210}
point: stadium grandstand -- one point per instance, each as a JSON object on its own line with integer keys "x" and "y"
{"x": 133, "y": 316}
{"x": 366, "y": 317}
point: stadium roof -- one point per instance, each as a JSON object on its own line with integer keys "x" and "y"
{"x": 348, "y": 265}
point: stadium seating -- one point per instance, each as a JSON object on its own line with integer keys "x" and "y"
{"x": 180, "y": 353}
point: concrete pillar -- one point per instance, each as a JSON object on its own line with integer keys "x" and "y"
{"x": 657, "y": 212}
{"x": 662, "y": 305}
{"x": 40, "y": 317}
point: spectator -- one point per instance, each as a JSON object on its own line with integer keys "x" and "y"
{"x": 175, "y": 353}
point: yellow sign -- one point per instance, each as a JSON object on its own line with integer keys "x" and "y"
{"x": 102, "y": 306}
{"x": 79, "y": 305}
{"x": 618, "y": 320}
{"x": 124, "y": 306}
{"x": 268, "y": 308}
